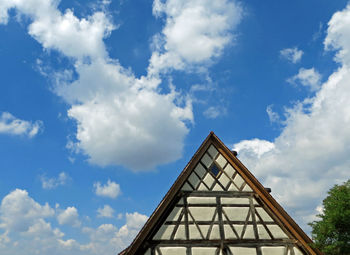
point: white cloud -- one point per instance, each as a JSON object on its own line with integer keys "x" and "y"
{"x": 54, "y": 182}
{"x": 108, "y": 239}
{"x": 195, "y": 32}
{"x": 212, "y": 112}
{"x": 338, "y": 35}
{"x": 69, "y": 216}
{"x": 105, "y": 212}
{"x": 66, "y": 33}
{"x": 18, "y": 211}
{"x": 308, "y": 78}
{"x": 253, "y": 148}
{"x": 110, "y": 189}
{"x": 25, "y": 229}
{"x": 119, "y": 115}
{"x": 292, "y": 54}
{"x": 9, "y": 124}
{"x": 134, "y": 222}
{"x": 273, "y": 116}
{"x": 312, "y": 152}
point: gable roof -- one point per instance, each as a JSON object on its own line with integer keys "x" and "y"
{"x": 302, "y": 239}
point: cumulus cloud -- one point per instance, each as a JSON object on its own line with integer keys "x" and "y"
{"x": 134, "y": 222}
{"x": 118, "y": 115}
{"x": 312, "y": 152}
{"x": 69, "y": 216}
{"x": 107, "y": 239}
{"x": 308, "y": 78}
{"x": 105, "y": 212}
{"x": 110, "y": 189}
{"x": 18, "y": 211}
{"x": 292, "y": 54}
{"x": 9, "y": 124}
{"x": 25, "y": 229}
{"x": 195, "y": 32}
{"x": 54, "y": 182}
{"x": 64, "y": 32}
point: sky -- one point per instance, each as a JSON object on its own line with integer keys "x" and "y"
{"x": 103, "y": 103}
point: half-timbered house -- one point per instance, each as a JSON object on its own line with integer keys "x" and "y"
{"x": 216, "y": 206}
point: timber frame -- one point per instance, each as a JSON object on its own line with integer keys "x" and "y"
{"x": 177, "y": 197}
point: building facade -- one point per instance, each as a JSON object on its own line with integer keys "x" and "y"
{"x": 216, "y": 206}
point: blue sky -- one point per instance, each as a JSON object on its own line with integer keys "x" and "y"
{"x": 103, "y": 103}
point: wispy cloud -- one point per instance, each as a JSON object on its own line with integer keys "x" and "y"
{"x": 273, "y": 116}
{"x": 54, "y": 182}
{"x": 292, "y": 54}
{"x": 213, "y": 112}
{"x": 9, "y": 124}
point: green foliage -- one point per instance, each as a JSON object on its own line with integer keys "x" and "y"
{"x": 332, "y": 232}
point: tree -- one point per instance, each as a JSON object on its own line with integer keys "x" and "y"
{"x": 332, "y": 232}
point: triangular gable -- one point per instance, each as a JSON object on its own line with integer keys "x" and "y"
{"x": 216, "y": 206}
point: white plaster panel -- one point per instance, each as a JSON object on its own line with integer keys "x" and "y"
{"x": 254, "y": 201}
{"x": 249, "y": 232}
{"x": 194, "y": 180}
{"x": 200, "y": 170}
{"x": 206, "y": 160}
{"x": 229, "y": 234}
{"x": 232, "y": 187}
{"x": 238, "y": 181}
{"x": 186, "y": 187}
{"x": 194, "y": 232}
{"x": 224, "y": 180}
{"x": 263, "y": 234}
{"x": 263, "y": 214}
{"x": 217, "y": 187}
{"x": 297, "y": 251}
{"x": 180, "y": 233}
{"x": 204, "y": 229}
{"x": 221, "y": 161}
{"x": 236, "y": 213}
{"x": 175, "y": 213}
{"x": 247, "y": 188}
{"x": 203, "y": 251}
{"x": 202, "y": 187}
{"x": 215, "y": 233}
{"x": 173, "y": 250}
{"x": 276, "y": 231}
{"x": 229, "y": 170}
{"x": 181, "y": 201}
{"x": 202, "y": 213}
{"x": 164, "y": 232}
{"x": 148, "y": 252}
{"x": 201, "y": 200}
{"x": 235, "y": 200}
{"x": 279, "y": 250}
{"x": 209, "y": 180}
{"x": 243, "y": 251}
{"x": 213, "y": 151}
{"x": 239, "y": 229}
